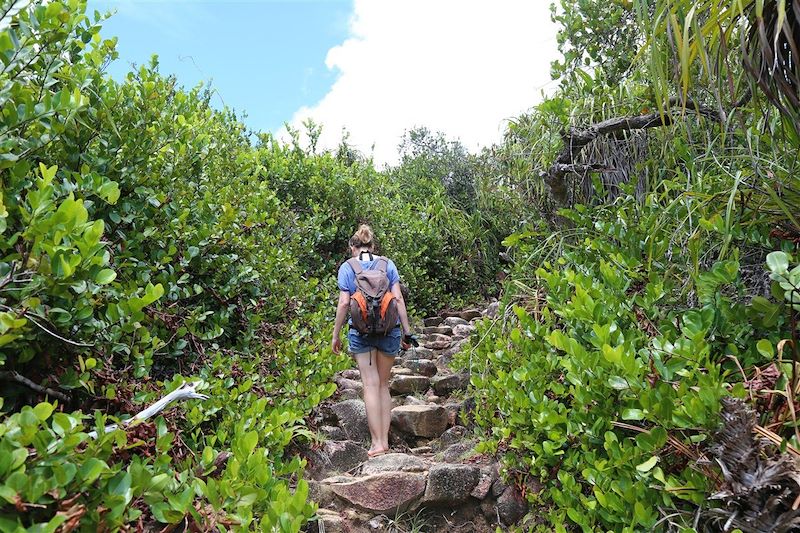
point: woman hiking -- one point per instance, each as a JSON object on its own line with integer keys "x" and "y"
{"x": 369, "y": 290}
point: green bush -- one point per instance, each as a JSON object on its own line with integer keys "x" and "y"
{"x": 145, "y": 241}
{"x": 605, "y": 381}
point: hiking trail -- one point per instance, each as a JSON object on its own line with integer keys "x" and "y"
{"x": 431, "y": 480}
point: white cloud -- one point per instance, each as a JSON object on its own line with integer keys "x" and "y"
{"x": 458, "y": 66}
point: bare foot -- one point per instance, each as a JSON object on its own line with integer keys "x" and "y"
{"x": 376, "y": 452}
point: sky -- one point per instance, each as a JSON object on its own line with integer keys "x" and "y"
{"x": 373, "y": 68}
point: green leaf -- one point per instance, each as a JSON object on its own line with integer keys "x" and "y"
{"x": 43, "y": 411}
{"x": 764, "y": 347}
{"x": 778, "y": 262}
{"x": 91, "y": 469}
{"x": 105, "y": 276}
{"x": 632, "y": 414}
{"x": 647, "y": 465}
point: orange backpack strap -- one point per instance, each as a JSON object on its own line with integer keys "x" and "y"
{"x": 362, "y": 304}
{"x": 386, "y": 302}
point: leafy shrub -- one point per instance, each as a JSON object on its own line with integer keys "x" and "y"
{"x": 146, "y": 241}
{"x": 605, "y": 381}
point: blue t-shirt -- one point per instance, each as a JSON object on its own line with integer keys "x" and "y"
{"x": 347, "y": 280}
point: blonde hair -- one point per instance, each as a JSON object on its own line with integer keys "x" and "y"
{"x": 363, "y": 238}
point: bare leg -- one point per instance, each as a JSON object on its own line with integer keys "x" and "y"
{"x": 385, "y": 364}
{"x": 372, "y": 397}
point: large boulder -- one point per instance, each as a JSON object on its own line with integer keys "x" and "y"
{"x": 444, "y": 385}
{"x": 450, "y": 484}
{"x": 385, "y": 492}
{"x": 423, "y": 367}
{"x": 352, "y": 418}
{"x": 409, "y": 384}
{"x": 394, "y": 462}
{"x": 420, "y": 420}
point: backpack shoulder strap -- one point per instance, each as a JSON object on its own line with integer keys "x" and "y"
{"x": 382, "y": 264}
{"x": 355, "y": 264}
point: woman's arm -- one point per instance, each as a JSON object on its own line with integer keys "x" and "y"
{"x": 341, "y": 315}
{"x": 401, "y": 309}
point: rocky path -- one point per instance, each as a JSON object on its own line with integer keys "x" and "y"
{"x": 431, "y": 480}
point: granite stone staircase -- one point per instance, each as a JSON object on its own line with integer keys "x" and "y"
{"x": 432, "y": 480}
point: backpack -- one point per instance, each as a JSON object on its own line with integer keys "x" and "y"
{"x": 373, "y": 307}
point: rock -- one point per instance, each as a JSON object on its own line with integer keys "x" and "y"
{"x": 418, "y": 353}
{"x": 386, "y": 492}
{"x": 437, "y": 345}
{"x": 454, "y": 410}
{"x": 420, "y": 420}
{"x": 343, "y": 456}
{"x": 464, "y": 330}
{"x": 346, "y": 384}
{"x": 450, "y": 484}
{"x": 446, "y": 384}
{"x": 511, "y": 506}
{"x": 432, "y": 321}
{"x": 409, "y": 384}
{"x": 351, "y": 373}
{"x": 320, "y": 492}
{"x": 469, "y": 314}
{"x": 436, "y": 338}
{"x": 413, "y": 400}
{"x": 486, "y": 480}
{"x": 451, "y": 436}
{"x": 400, "y": 371}
{"x": 442, "y": 330}
{"x": 493, "y": 311}
{"x": 348, "y": 395}
{"x": 421, "y": 450}
{"x": 433, "y": 399}
{"x": 331, "y": 522}
{"x": 333, "y": 433}
{"x": 352, "y": 417}
{"x": 394, "y": 462}
{"x": 423, "y": 367}
{"x": 454, "y": 321}
{"x": 498, "y": 487}
{"x": 457, "y": 452}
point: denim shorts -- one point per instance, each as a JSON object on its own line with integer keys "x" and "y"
{"x": 388, "y": 344}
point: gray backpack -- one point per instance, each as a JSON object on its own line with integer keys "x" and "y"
{"x": 373, "y": 307}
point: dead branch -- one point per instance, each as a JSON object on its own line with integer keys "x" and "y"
{"x": 184, "y": 392}
{"x": 576, "y": 139}
{"x": 11, "y": 375}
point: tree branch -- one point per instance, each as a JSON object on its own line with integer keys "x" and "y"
{"x": 575, "y": 139}
{"x": 184, "y": 392}
{"x": 11, "y": 375}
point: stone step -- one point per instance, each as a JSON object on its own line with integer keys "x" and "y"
{"x": 442, "y": 330}
{"x": 420, "y": 420}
